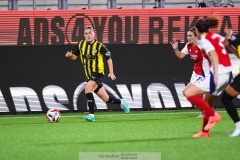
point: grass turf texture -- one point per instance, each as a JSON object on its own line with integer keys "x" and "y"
{"x": 169, "y": 132}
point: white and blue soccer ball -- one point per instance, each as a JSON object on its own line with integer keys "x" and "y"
{"x": 53, "y": 115}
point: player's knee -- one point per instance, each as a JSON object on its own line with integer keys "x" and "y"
{"x": 105, "y": 98}
{"x": 184, "y": 92}
{"x": 226, "y": 99}
{"x": 87, "y": 90}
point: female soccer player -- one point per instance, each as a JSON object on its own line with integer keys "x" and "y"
{"x": 201, "y": 66}
{"x": 216, "y": 80}
{"x": 233, "y": 89}
{"x": 91, "y": 53}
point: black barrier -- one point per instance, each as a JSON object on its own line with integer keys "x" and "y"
{"x": 36, "y": 78}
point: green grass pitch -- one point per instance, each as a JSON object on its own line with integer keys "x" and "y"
{"x": 31, "y": 136}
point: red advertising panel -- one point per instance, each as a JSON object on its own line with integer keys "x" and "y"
{"x": 118, "y": 26}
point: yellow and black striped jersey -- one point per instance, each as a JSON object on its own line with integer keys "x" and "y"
{"x": 91, "y": 56}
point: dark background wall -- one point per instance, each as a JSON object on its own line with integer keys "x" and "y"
{"x": 36, "y": 67}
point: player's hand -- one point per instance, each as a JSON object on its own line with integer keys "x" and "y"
{"x": 228, "y": 35}
{"x": 228, "y": 32}
{"x": 112, "y": 76}
{"x": 69, "y": 54}
{"x": 174, "y": 44}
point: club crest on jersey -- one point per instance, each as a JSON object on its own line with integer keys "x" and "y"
{"x": 94, "y": 52}
{"x": 194, "y": 57}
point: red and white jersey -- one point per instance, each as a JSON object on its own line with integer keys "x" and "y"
{"x": 212, "y": 41}
{"x": 201, "y": 65}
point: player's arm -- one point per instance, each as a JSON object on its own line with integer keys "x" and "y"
{"x": 233, "y": 50}
{"x": 210, "y": 50}
{"x": 71, "y": 56}
{"x": 107, "y": 55}
{"x": 110, "y": 67}
{"x": 226, "y": 43}
{"x": 214, "y": 56}
{"x": 179, "y": 54}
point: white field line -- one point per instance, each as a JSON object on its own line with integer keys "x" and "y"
{"x": 110, "y": 115}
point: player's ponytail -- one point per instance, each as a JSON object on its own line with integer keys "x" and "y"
{"x": 204, "y": 25}
{"x": 212, "y": 22}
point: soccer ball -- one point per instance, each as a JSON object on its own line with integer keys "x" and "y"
{"x": 53, "y": 115}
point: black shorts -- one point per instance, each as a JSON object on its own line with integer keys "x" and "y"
{"x": 236, "y": 83}
{"x": 98, "y": 78}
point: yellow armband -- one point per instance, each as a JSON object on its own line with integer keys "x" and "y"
{"x": 238, "y": 50}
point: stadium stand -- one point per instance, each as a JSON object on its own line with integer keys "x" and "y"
{"x": 4, "y": 5}
{"x": 103, "y": 4}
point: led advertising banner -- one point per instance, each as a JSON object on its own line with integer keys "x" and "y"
{"x": 112, "y": 26}
{"x": 37, "y": 78}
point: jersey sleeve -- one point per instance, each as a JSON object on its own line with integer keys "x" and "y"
{"x": 185, "y": 49}
{"x": 207, "y": 46}
{"x": 76, "y": 50}
{"x": 105, "y": 52}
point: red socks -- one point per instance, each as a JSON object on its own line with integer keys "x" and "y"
{"x": 202, "y": 105}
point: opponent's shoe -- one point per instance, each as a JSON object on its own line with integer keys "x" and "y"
{"x": 200, "y": 115}
{"x": 124, "y": 106}
{"x": 201, "y": 134}
{"x": 235, "y": 133}
{"x": 89, "y": 118}
{"x": 212, "y": 121}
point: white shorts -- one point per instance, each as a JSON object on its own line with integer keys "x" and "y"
{"x": 207, "y": 83}
{"x": 195, "y": 77}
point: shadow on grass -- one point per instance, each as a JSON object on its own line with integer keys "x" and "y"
{"x": 120, "y": 141}
{"x": 138, "y": 140}
{"x": 101, "y": 120}
{"x": 98, "y": 121}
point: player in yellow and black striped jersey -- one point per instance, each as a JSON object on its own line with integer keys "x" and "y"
{"x": 92, "y": 54}
{"x": 233, "y": 89}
